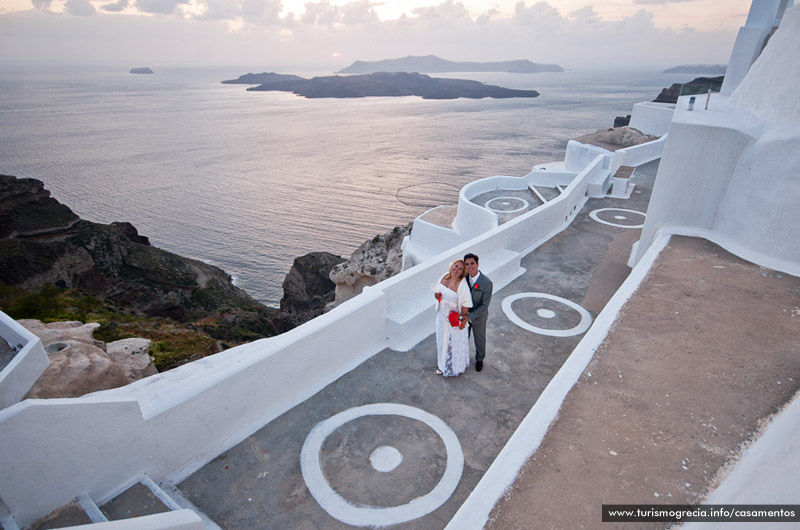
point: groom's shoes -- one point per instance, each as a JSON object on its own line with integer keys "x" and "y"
{"x": 478, "y": 366}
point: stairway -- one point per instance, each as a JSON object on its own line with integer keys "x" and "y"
{"x": 143, "y": 498}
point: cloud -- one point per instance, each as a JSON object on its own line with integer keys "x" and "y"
{"x": 447, "y": 11}
{"x": 81, "y": 8}
{"x": 585, "y": 14}
{"x": 540, "y": 15}
{"x": 114, "y": 7}
{"x": 261, "y": 12}
{"x": 44, "y": 5}
{"x": 164, "y": 7}
{"x": 360, "y": 12}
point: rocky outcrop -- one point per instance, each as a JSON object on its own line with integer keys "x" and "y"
{"x": 616, "y": 138}
{"x": 433, "y": 64}
{"x": 44, "y": 242}
{"x": 696, "y": 86}
{"x": 372, "y": 262}
{"x": 307, "y": 289}
{"x": 79, "y": 364}
{"x": 393, "y": 84}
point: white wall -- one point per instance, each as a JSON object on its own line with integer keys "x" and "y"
{"x": 731, "y": 171}
{"x": 30, "y": 361}
{"x": 652, "y": 118}
{"x": 750, "y": 40}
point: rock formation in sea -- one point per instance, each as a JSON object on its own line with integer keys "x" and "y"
{"x": 142, "y": 70}
{"x": 705, "y": 69}
{"x": 373, "y": 261}
{"x": 386, "y": 84}
{"x": 307, "y": 289}
{"x": 699, "y": 85}
{"x": 42, "y": 242}
{"x": 259, "y": 79}
{"x": 80, "y": 364}
{"x": 433, "y": 64}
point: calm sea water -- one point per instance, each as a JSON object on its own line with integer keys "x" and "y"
{"x": 250, "y": 180}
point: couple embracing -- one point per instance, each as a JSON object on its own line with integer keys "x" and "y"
{"x": 462, "y": 303}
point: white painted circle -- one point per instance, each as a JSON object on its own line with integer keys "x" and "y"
{"x": 545, "y": 313}
{"x": 594, "y": 215}
{"x": 362, "y": 515}
{"x": 506, "y": 202}
{"x": 385, "y": 458}
{"x": 583, "y": 325}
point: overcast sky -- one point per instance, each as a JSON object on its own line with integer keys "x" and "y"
{"x": 331, "y": 34}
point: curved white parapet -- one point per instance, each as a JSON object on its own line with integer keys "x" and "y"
{"x": 29, "y": 363}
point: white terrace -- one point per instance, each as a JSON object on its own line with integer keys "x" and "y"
{"x": 728, "y": 173}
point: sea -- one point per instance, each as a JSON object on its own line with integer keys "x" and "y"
{"x": 248, "y": 181}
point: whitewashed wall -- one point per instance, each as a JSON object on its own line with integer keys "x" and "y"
{"x": 30, "y": 361}
{"x": 730, "y": 173}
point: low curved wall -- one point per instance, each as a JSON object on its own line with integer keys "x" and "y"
{"x": 30, "y": 361}
{"x": 169, "y": 425}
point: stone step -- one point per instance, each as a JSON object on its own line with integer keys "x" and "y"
{"x": 142, "y": 499}
{"x": 82, "y": 510}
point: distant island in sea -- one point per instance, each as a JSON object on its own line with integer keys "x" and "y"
{"x": 381, "y": 84}
{"x": 706, "y": 69}
{"x": 432, "y": 64}
{"x": 142, "y": 70}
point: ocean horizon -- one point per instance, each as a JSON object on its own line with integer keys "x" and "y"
{"x": 248, "y": 181}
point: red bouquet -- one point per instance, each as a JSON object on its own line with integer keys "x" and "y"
{"x": 454, "y": 318}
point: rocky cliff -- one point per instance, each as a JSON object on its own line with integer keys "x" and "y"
{"x": 375, "y": 260}
{"x": 393, "y": 84}
{"x": 307, "y": 289}
{"x": 44, "y": 243}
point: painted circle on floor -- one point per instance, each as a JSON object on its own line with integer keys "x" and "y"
{"x": 362, "y": 515}
{"x": 506, "y": 202}
{"x": 583, "y": 325}
{"x": 620, "y": 214}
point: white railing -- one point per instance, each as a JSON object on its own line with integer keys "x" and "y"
{"x": 637, "y": 155}
{"x": 29, "y": 362}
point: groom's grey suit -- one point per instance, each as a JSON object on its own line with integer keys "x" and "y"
{"x": 479, "y": 312}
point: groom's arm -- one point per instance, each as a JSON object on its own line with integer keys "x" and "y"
{"x": 481, "y": 309}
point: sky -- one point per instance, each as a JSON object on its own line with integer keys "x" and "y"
{"x": 330, "y": 34}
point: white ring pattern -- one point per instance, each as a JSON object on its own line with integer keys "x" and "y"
{"x": 583, "y": 325}
{"x": 594, "y": 215}
{"x": 524, "y": 206}
{"x": 360, "y": 515}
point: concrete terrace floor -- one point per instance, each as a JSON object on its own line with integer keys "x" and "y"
{"x": 259, "y": 484}
{"x": 701, "y": 356}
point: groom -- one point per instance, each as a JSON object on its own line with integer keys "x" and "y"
{"x": 480, "y": 286}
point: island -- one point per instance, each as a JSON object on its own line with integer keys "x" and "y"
{"x": 143, "y": 70}
{"x": 705, "y": 69}
{"x": 433, "y": 64}
{"x": 260, "y": 79}
{"x": 392, "y": 84}
{"x": 700, "y": 85}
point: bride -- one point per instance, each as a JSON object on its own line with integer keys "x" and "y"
{"x": 452, "y": 342}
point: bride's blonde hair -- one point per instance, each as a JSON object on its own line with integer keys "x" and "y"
{"x": 450, "y": 268}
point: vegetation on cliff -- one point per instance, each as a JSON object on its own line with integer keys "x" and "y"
{"x": 56, "y": 266}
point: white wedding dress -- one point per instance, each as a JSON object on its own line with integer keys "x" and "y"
{"x": 452, "y": 343}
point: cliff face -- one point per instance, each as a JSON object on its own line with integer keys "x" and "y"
{"x": 44, "y": 242}
{"x": 307, "y": 289}
{"x": 375, "y": 260}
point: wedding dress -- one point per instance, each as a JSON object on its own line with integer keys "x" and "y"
{"x": 452, "y": 343}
